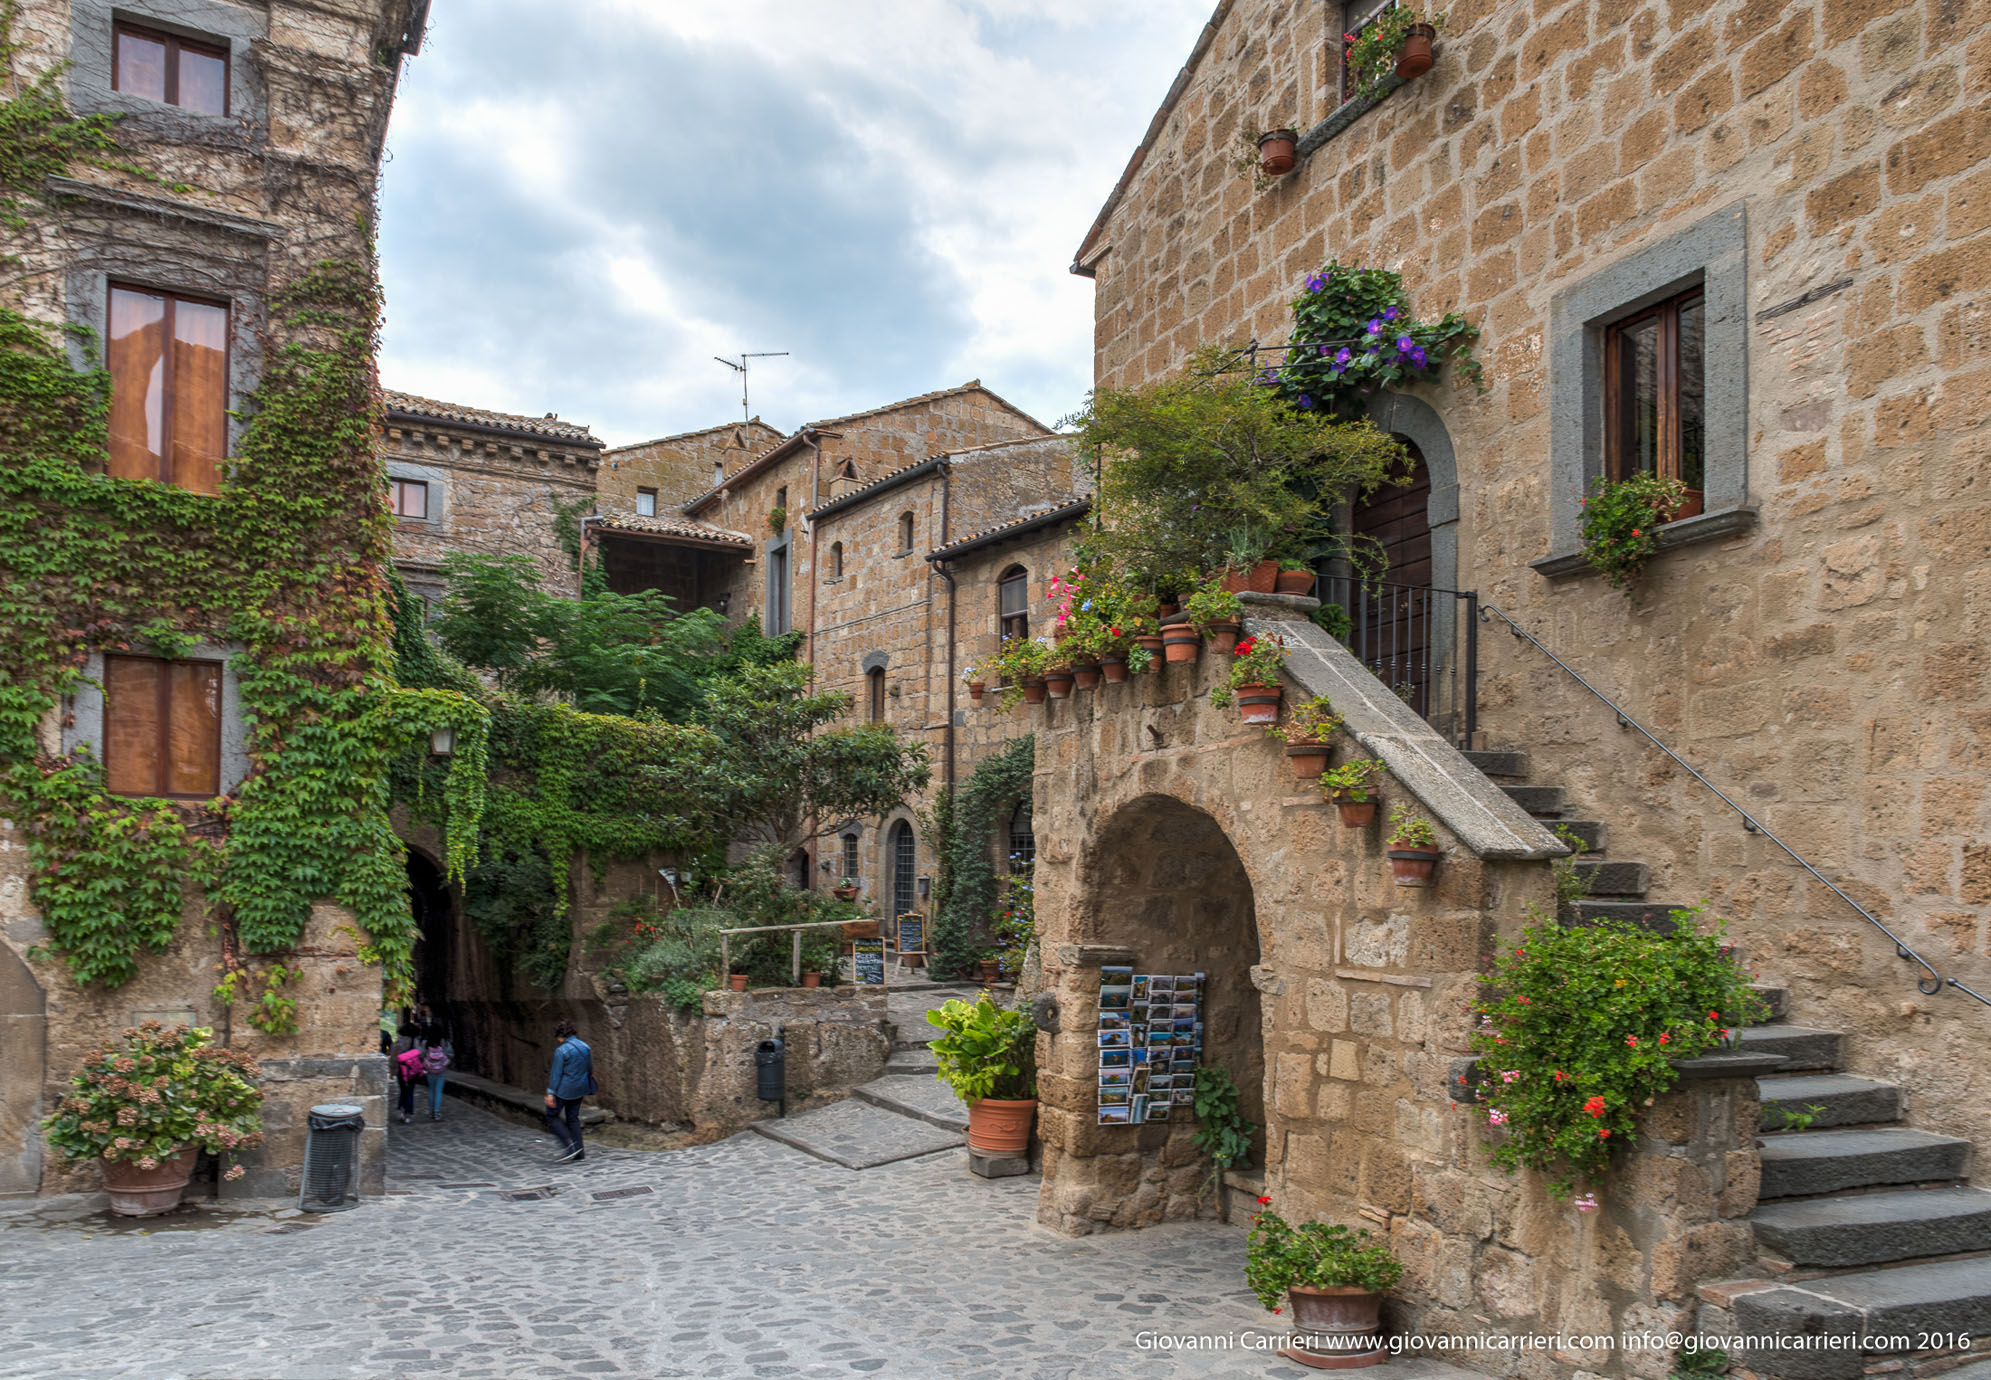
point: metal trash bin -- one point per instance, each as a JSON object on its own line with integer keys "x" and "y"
{"x": 770, "y": 1070}
{"x": 331, "y": 1158}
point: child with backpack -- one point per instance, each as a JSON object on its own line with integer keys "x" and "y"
{"x": 435, "y": 1061}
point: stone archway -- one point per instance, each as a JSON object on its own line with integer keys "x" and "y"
{"x": 23, "y": 1055}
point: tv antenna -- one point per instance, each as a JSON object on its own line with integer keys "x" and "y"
{"x": 739, "y": 366}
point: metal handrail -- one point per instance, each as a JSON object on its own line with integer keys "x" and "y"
{"x": 1928, "y": 986}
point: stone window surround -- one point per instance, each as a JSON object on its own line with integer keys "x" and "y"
{"x": 85, "y": 720}
{"x": 214, "y": 21}
{"x": 437, "y": 479}
{"x": 1713, "y": 255}
{"x": 781, "y": 545}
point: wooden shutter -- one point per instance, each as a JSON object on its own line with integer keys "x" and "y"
{"x": 134, "y": 712}
{"x": 162, "y": 727}
{"x": 200, "y": 394}
{"x": 137, "y": 360}
{"x": 193, "y": 729}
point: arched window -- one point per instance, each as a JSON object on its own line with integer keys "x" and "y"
{"x": 1013, "y": 601}
{"x": 836, "y": 560}
{"x": 1022, "y": 841}
{"x": 905, "y": 531}
{"x": 876, "y": 677}
{"x": 905, "y": 869}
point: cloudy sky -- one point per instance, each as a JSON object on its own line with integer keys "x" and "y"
{"x": 577, "y": 216}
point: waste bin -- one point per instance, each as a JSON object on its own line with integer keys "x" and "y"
{"x": 770, "y": 1070}
{"x": 331, "y": 1158}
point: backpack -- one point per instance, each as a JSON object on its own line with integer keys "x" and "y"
{"x": 434, "y": 1059}
{"x": 410, "y": 1063}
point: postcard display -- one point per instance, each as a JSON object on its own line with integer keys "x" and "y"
{"x": 1150, "y": 1039}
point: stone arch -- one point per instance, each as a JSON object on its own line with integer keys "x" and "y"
{"x": 1400, "y": 414}
{"x": 23, "y": 1063}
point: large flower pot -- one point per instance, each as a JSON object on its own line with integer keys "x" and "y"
{"x": 812, "y": 979}
{"x": 1259, "y": 703}
{"x": 1155, "y": 643}
{"x": 1058, "y": 684}
{"x": 1264, "y": 577}
{"x": 1693, "y": 505}
{"x": 1355, "y": 814}
{"x": 1033, "y": 691}
{"x": 1180, "y": 642}
{"x": 1294, "y": 582}
{"x": 1308, "y": 759}
{"x": 1223, "y": 637}
{"x": 1000, "y": 1129}
{"x": 1414, "y": 59}
{"x": 1113, "y": 668}
{"x": 1085, "y": 676}
{"x": 1278, "y": 151}
{"x": 139, "y": 1192}
{"x": 1413, "y": 866}
{"x": 1335, "y": 1329}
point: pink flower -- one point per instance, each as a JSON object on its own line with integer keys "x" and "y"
{"x": 1509, "y": 1075}
{"x": 1632, "y": 1040}
{"x": 1587, "y": 1203}
{"x": 235, "y": 1171}
{"x": 1496, "y": 1118}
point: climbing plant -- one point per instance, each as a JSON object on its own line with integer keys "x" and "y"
{"x": 1353, "y": 334}
{"x": 998, "y": 784}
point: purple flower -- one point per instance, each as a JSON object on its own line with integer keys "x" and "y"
{"x": 1323, "y": 349}
{"x": 1375, "y": 325}
{"x": 1304, "y": 402}
{"x": 1341, "y": 356}
{"x": 1417, "y": 356}
{"x": 1404, "y": 344}
{"x": 1315, "y": 282}
{"x": 1390, "y": 315}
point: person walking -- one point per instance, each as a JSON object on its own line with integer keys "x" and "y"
{"x": 436, "y": 1055}
{"x": 408, "y": 1067}
{"x": 571, "y": 1078}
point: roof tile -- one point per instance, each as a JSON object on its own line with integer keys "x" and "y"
{"x": 548, "y": 426}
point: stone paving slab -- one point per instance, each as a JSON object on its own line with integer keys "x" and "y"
{"x": 917, "y": 1095}
{"x": 858, "y": 1135}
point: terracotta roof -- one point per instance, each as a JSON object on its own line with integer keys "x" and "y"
{"x": 755, "y": 425}
{"x": 883, "y": 482}
{"x": 1066, "y": 510}
{"x": 549, "y": 426}
{"x": 667, "y": 526}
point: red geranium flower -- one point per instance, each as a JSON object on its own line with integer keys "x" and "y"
{"x": 1595, "y": 1106}
{"x": 1263, "y": 1200}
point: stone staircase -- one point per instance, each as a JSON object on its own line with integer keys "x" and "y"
{"x": 1866, "y": 1227}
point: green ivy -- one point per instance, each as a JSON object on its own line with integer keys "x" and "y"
{"x": 999, "y": 783}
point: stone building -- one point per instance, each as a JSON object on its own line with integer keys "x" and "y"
{"x": 465, "y": 480}
{"x": 654, "y": 478}
{"x": 1778, "y": 213}
{"x": 250, "y": 140}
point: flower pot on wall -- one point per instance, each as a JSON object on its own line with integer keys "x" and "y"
{"x": 1308, "y": 759}
{"x": 139, "y": 1192}
{"x": 1180, "y": 642}
{"x": 976, "y": 689}
{"x": 1294, "y": 582}
{"x": 1000, "y": 1129}
{"x": 1113, "y": 668}
{"x": 1693, "y": 505}
{"x": 1414, "y": 59}
{"x": 844, "y": 893}
{"x": 1259, "y": 703}
{"x": 738, "y": 981}
{"x": 1058, "y": 684}
{"x": 1413, "y": 866}
{"x": 1085, "y": 676}
{"x": 1278, "y": 151}
{"x": 1335, "y": 1328}
{"x": 812, "y": 979}
{"x": 1264, "y": 577}
{"x": 1355, "y": 814}
{"x": 1154, "y": 643}
{"x": 1223, "y": 637}
{"x": 1033, "y": 691}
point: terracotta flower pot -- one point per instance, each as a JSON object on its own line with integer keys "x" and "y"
{"x": 1693, "y": 505}
{"x": 987, "y": 970}
{"x": 1335, "y": 1328}
{"x": 1309, "y": 759}
{"x": 1413, "y": 866}
{"x": 1165, "y": 610}
{"x": 1278, "y": 152}
{"x": 1033, "y": 691}
{"x": 1294, "y": 582}
{"x": 139, "y": 1192}
{"x": 812, "y": 979}
{"x": 1355, "y": 814}
{"x": 1001, "y": 1129}
{"x": 1154, "y": 642}
{"x": 1180, "y": 642}
{"x": 1223, "y": 637}
{"x": 1264, "y": 577}
{"x": 1058, "y": 684}
{"x": 737, "y": 981}
{"x": 1259, "y": 703}
{"x": 1414, "y": 59}
{"x": 1113, "y": 668}
{"x": 860, "y": 929}
{"x": 1085, "y": 677}
{"x": 976, "y": 689}
{"x": 844, "y": 893}
{"x": 1235, "y": 580}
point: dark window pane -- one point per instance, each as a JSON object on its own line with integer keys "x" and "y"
{"x": 1011, "y": 594}
{"x": 131, "y": 725}
{"x": 850, "y": 856}
{"x": 1693, "y": 393}
{"x": 137, "y": 360}
{"x": 203, "y": 82}
{"x": 139, "y": 66}
{"x": 200, "y": 394}
{"x": 1637, "y": 349}
{"x": 1022, "y": 839}
{"x": 905, "y": 864}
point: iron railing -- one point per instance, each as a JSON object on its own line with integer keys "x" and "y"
{"x": 1928, "y": 986}
{"x": 1421, "y": 642}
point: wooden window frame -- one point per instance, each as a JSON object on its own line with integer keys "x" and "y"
{"x": 848, "y": 857}
{"x": 908, "y": 856}
{"x": 1021, "y": 619}
{"x": 642, "y": 494}
{"x": 174, "y": 43}
{"x": 396, "y": 486}
{"x": 167, "y": 400}
{"x": 165, "y": 714}
{"x": 1667, "y": 447}
{"x": 875, "y": 690}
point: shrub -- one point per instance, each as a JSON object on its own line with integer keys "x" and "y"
{"x": 1621, "y": 523}
{"x": 986, "y": 1051}
{"x": 1313, "y": 1255}
{"x": 158, "y": 1092}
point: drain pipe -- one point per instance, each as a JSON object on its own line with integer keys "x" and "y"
{"x": 940, "y": 568}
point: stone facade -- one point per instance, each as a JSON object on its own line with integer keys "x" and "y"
{"x": 285, "y": 180}
{"x": 1814, "y": 643}
{"x": 494, "y": 484}
{"x": 679, "y": 468}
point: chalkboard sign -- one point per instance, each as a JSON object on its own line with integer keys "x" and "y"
{"x": 868, "y": 955}
{"x": 912, "y": 934}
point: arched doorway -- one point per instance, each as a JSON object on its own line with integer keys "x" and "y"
{"x": 1392, "y": 615}
{"x": 23, "y": 1051}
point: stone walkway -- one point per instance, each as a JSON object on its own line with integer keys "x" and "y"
{"x": 741, "y": 1259}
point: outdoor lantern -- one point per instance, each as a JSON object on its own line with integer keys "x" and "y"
{"x": 443, "y": 741}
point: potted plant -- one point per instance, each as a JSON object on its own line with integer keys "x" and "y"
{"x": 819, "y": 956}
{"x": 1307, "y": 732}
{"x": 1413, "y": 847}
{"x": 1020, "y": 663}
{"x": 1350, "y": 786}
{"x": 1141, "y": 656}
{"x": 1295, "y": 577}
{"x": 777, "y": 518}
{"x": 1254, "y": 680}
{"x": 1215, "y": 611}
{"x": 1395, "y": 44}
{"x": 845, "y": 889}
{"x": 1180, "y": 641}
{"x": 977, "y": 687}
{"x": 1247, "y": 569}
{"x": 988, "y": 1056}
{"x": 1058, "y": 676}
{"x": 1621, "y": 521}
{"x": 145, "y": 1109}
{"x": 988, "y": 967}
{"x": 737, "y": 981}
{"x": 1265, "y": 158}
{"x": 1334, "y": 1280}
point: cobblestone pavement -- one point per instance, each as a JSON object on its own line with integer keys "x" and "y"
{"x": 742, "y": 1259}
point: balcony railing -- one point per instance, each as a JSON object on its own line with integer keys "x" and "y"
{"x": 1421, "y": 642}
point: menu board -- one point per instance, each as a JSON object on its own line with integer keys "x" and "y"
{"x": 868, "y": 958}
{"x": 1150, "y": 1041}
{"x": 912, "y": 934}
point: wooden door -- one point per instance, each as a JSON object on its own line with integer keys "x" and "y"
{"x": 1392, "y": 613}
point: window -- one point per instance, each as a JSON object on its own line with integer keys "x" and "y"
{"x": 1022, "y": 841}
{"x": 905, "y": 869}
{"x": 1013, "y": 602}
{"x": 170, "y": 69}
{"x": 409, "y": 498}
{"x": 168, "y": 360}
{"x": 718, "y": 474}
{"x": 1654, "y": 393}
{"x": 905, "y": 532}
{"x": 162, "y": 727}
{"x": 876, "y": 677}
{"x": 646, "y": 503}
{"x": 836, "y": 560}
{"x": 850, "y": 857}
{"x": 1356, "y": 15}
{"x": 777, "y": 590}
{"x": 781, "y": 498}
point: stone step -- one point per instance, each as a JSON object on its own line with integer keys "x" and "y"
{"x": 1845, "y": 1099}
{"x": 1537, "y": 800}
{"x": 1874, "y": 1228}
{"x": 1805, "y": 1047}
{"x": 1656, "y": 916}
{"x": 858, "y": 1134}
{"x": 927, "y": 1098}
{"x": 1884, "y": 1305}
{"x": 1500, "y": 761}
{"x": 1778, "y": 999}
{"x": 1615, "y": 878}
{"x": 1591, "y": 834}
{"x": 905, "y": 1061}
{"x": 1811, "y": 1162}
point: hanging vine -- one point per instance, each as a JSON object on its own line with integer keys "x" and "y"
{"x": 992, "y": 791}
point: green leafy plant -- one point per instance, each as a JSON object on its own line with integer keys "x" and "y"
{"x": 1352, "y": 780}
{"x": 1792, "y": 1118}
{"x": 1578, "y": 1027}
{"x": 1018, "y": 660}
{"x": 985, "y": 1051}
{"x": 777, "y": 518}
{"x": 1333, "y": 620}
{"x": 981, "y": 807}
{"x": 1571, "y": 884}
{"x": 1372, "y": 50}
{"x": 1409, "y": 829}
{"x": 155, "y": 1093}
{"x": 1353, "y": 335}
{"x": 1256, "y": 661}
{"x": 1222, "y": 1132}
{"x": 1212, "y": 606}
{"x": 1313, "y": 1255}
{"x": 1309, "y": 721}
{"x": 1621, "y": 521}
{"x": 1695, "y": 1362}
{"x": 1249, "y": 163}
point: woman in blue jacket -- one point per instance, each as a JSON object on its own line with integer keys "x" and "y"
{"x": 571, "y": 1079}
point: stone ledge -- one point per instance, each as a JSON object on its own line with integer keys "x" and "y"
{"x": 1343, "y": 115}
{"x": 474, "y": 1088}
{"x": 1727, "y": 1066}
{"x": 1685, "y": 532}
{"x": 250, "y": 226}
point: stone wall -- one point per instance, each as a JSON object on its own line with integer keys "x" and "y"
{"x": 1175, "y": 839}
{"x": 1817, "y": 649}
{"x": 680, "y": 467}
